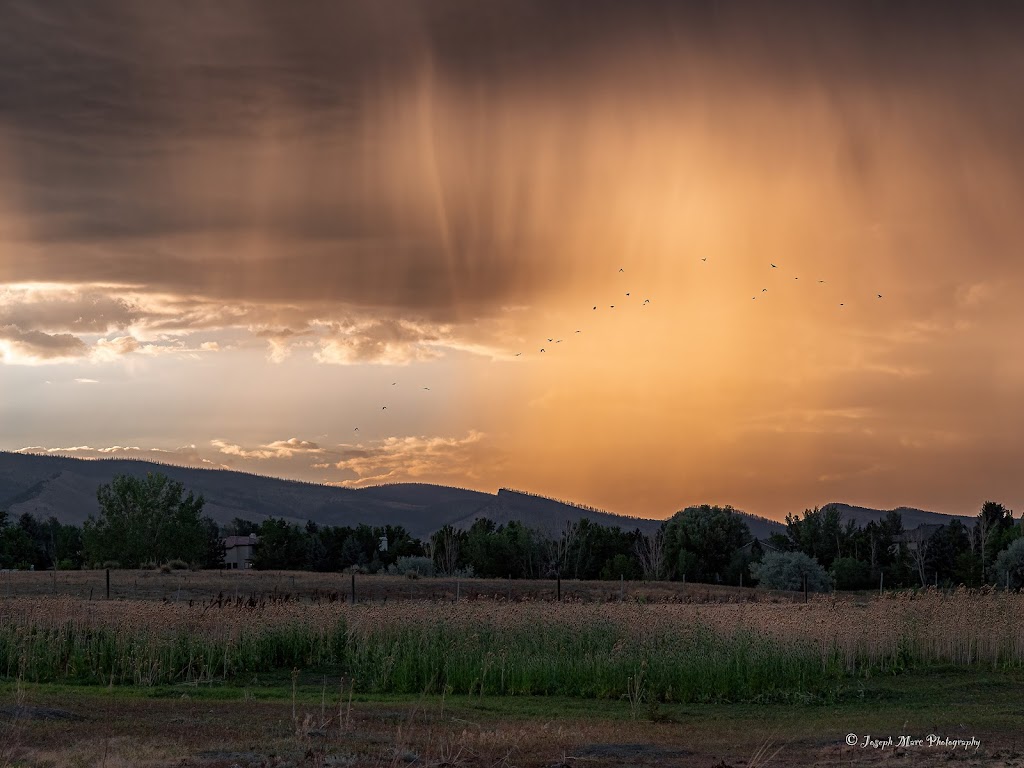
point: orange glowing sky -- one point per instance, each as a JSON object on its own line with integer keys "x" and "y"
{"x": 233, "y": 233}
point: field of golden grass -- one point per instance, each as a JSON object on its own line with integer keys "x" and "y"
{"x": 264, "y": 680}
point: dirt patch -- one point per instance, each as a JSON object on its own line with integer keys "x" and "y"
{"x": 632, "y": 752}
{"x": 38, "y": 713}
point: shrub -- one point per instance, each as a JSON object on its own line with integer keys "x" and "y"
{"x": 1011, "y": 562}
{"x": 851, "y": 573}
{"x": 177, "y": 565}
{"x": 111, "y": 564}
{"x": 786, "y": 570}
{"x": 414, "y": 567}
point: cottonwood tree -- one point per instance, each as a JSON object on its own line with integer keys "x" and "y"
{"x": 559, "y": 546}
{"x": 994, "y": 520}
{"x": 701, "y": 542}
{"x": 144, "y": 520}
{"x": 446, "y": 546}
{"x": 650, "y": 551}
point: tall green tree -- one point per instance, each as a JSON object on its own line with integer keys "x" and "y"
{"x": 701, "y": 542}
{"x": 144, "y": 520}
{"x": 993, "y": 529}
{"x": 821, "y": 534}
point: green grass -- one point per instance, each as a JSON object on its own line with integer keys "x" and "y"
{"x": 591, "y": 662}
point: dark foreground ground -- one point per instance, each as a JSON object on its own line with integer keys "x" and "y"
{"x": 310, "y": 721}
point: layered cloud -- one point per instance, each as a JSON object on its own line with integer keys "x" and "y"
{"x": 42, "y": 323}
{"x": 187, "y": 455}
{"x": 413, "y": 458}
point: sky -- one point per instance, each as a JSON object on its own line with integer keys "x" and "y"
{"x": 330, "y": 240}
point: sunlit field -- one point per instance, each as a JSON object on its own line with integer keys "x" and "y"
{"x": 319, "y": 671}
{"x": 680, "y": 652}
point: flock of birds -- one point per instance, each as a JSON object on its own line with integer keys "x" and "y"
{"x": 628, "y": 295}
{"x": 775, "y": 266}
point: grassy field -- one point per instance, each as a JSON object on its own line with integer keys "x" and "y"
{"x": 323, "y": 587}
{"x": 311, "y": 721}
{"x": 264, "y": 680}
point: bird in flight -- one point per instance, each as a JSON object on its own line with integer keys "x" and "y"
{"x": 427, "y": 388}
{"x": 577, "y": 331}
{"x": 383, "y": 407}
{"x": 542, "y": 349}
{"x": 613, "y": 306}
{"x": 356, "y": 429}
{"x": 879, "y": 295}
{"x": 393, "y": 383}
{"x": 550, "y": 339}
{"x": 621, "y": 269}
{"x": 647, "y": 301}
{"x": 821, "y": 281}
{"x": 774, "y": 267}
{"x": 763, "y": 290}
{"x": 705, "y": 258}
{"x": 558, "y": 342}
{"x": 595, "y": 307}
{"x": 840, "y": 303}
{"x": 518, "y": 354}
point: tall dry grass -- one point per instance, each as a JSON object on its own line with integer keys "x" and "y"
{"x": 681, "y": 652}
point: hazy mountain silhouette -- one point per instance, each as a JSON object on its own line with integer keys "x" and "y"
{"x": 65, "y": 488}
{"x": 911, "y": 517}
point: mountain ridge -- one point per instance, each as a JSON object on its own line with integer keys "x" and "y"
{"x": 65, "y": 487}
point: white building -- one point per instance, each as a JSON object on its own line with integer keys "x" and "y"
{"x": 238, "y": 551}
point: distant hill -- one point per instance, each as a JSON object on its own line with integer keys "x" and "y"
{"x": 763, "y": 527}
{"x": 911, "y": 517}
{"x": 65, "y": 488}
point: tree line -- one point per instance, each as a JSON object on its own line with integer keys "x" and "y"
{"x": 151, "y": 522}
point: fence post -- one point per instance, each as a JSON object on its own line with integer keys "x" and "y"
{"x": 622, "y": 587}
{"x": 558, "y": 584}
{"x": 108, "y": 583}
{"x": 805, "y": 587}
{"x": 353, "y": 588}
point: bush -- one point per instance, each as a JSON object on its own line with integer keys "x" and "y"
{"x": 165, "y": 568}
{"x": 786, "y": 570}
{"x": 66, "y": 565}
{"x": 851, "y": 573}
{"x": 177, "y": 565}
{"x": 111, "y": 564}
{"x": 413, "y": 567}
{"x": 1011, "y": 562}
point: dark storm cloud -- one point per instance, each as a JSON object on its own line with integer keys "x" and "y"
{"x": 36, "y": 345}
{"x": 360, "y": 152}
